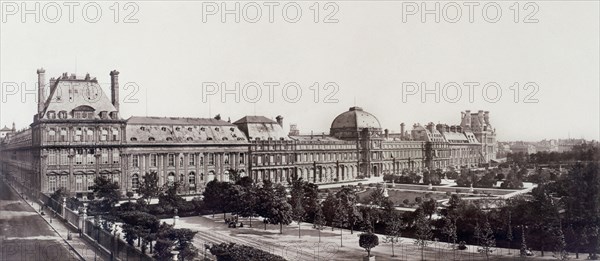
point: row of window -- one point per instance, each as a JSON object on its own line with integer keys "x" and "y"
{"x": 83, "y": 156}
{"x": 82, "y": 182}
{"x": 82, "y": 135}
{"x": 81, "y": 115}
{"x": 192, "y": 159}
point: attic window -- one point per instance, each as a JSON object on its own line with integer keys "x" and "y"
{"x": 142, "y": 128}
{"x": 189, "y": 139}
{"x": 231, "y": 129}
{"x": 217, "y": 128}
{"x": 240, "y": 138}
{"x": 163, "y": 129}
{"x": 178, "y": 129}
{"x": 209, "y": 138}
{"x": 234, "y": 135}
{"x": 151, "y": 139}
{"x": 202, "y": 129}
{"x": 169, "y": 139}
{"x": 190, "y": 129}
{"x": 225, "y": 138}
{"x": 281, "y": 138}
{"x": 133, "y": 139}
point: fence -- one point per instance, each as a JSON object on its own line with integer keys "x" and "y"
{"x": 111, "y": 244}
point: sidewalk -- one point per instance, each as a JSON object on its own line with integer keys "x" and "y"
{"x": 77, "y": 244}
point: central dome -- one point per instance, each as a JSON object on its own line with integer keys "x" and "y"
{"x": 355, "y": 119}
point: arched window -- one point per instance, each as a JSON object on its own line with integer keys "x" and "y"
{"x": 192, "y": 178}
{"x": 171, "y": 179}
{"x": 135, "y": 182}
{"x": 51, "y": 183}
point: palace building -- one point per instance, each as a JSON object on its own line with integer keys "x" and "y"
{"x": 78, "y": 135}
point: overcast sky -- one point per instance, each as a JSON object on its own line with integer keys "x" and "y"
{"x": 370, "y": 54}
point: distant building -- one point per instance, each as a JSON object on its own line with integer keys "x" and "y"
{"x": 6, "y": 131}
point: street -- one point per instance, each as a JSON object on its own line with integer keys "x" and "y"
{"x": 24, "y": 235}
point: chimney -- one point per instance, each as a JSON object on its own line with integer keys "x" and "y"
{"x": 402, "y": 130}
{"x": 114, "y": 88}
{"x": 387, "y": 133}
{"x": 41, "y": 92}
{"x": 279, "y": 119}
{"x": 439, "y": 127}
{"x": 14, "y": 128}
{"x": 430, "y": 126}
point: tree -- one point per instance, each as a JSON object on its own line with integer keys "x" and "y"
{"x": 248, "y": 201}
{"x": 450, "y": 231}
{"x": 488, "y": 240}
{"x": 108, "y": 193}
{"x": 341, "y": 217}
{"x": 149, "y": 188}
{"x": 170, "y": 238}
{"x": 213, "y": 196}
{"x": 296, "y": 201}
{"x": 348, "y": 200}
{"x": 319, "y": 220}
{"x": 169, "y": 199}
{"x": 275, "y": 208}
{"x": 509, "y": 231}
{"x": 429, "y": 207}
{"x": 393, "y": 230}
{"x": 368, "y": 241}
{"x": 137, "y": 224}
{"x": 329, "y": 209}
{"x": 423, "y": 232}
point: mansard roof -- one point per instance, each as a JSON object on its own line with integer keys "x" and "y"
{"x": 69, "y": 93}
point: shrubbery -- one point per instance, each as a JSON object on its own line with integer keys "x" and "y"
{"x": 233, "y": 252}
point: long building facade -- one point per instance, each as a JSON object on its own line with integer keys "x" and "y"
{"x": 78, "y": 135}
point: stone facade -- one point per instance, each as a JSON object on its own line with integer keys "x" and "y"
{"x": 78, "y": 135}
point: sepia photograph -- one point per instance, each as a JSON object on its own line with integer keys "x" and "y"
{"x": 300, "y": 130}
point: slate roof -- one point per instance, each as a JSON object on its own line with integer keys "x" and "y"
{"x": 355, "y": 118}
{"x": 150, "y": 130}
{"x": 68, "y": 94}
{"x": 262, "y": 128}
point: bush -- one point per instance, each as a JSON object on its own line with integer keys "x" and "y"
{"x": 368, "y": 241}
{"x": 233, "y": 252}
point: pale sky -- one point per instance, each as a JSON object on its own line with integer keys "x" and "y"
{"x": 369, "y": 53}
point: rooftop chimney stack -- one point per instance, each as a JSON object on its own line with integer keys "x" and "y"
{"x": 279, "y": 119}
{"x": 14, "y": 128}
{"x": 41, "y": 92}
{"x": 402, "y": 130}
{"x": 387, "y": 133}
{"x": 114, "y": 88}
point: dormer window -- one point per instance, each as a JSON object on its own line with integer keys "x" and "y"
{"x": 151, "y": 139}
{"x": 209, "y": 138}
{"x": 51, "y": 115}
{"x": 202, "y": 129}
{"x": 163, "y": 129}
{"x": 143, "y": 128}
{"x": 169, "y": 139}
{"x": 232, "y": 129}
{"x": 225, "y": 138}
{"x": 114, "y": 115}
{"x": 62, "y": 114}
{"x": 178, "y": 129}
{"x": 133, "y": 139}
{"x": 190, "y": 139}
{"x": 217, "y": 128}
{"x": 189, "y": 128}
